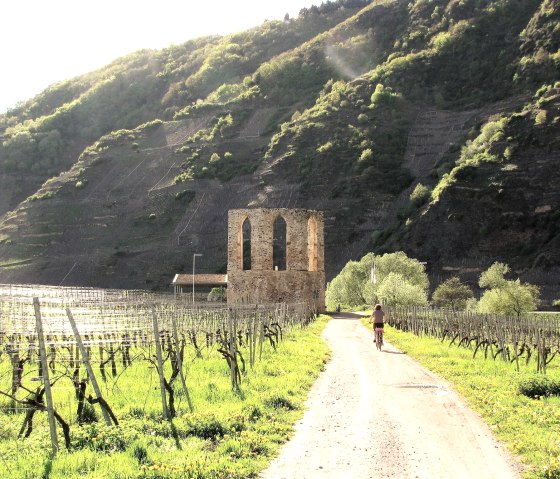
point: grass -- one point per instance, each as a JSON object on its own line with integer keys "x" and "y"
{"x": 530, "y": 428}
{"x": 231, "y": 434}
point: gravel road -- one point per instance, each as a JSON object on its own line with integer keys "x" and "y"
{"x": 378, "y": 414}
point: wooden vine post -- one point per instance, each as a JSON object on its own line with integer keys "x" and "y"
{"x": 45, "y": 374}
{"x": 85, "y": 360}
{"x": 159, "y": 358}
{"x": 180, "y": 363}
{"x": 232, "y": 350}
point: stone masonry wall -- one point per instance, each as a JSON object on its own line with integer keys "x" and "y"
{"x": 304, "y": 238}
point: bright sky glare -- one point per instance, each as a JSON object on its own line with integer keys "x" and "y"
{"x": 43, "y": 42}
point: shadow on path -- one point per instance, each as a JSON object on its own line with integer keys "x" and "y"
{"x": 344, "y": 315}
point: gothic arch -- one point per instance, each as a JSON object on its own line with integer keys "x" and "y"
{"x": 312, "y": 246}
{"x": 244, "y": 252}
{"x": 279, "y": 244}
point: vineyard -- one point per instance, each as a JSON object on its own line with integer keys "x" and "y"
{"x": 70, "y": 357}
{"x": 521, "y": 340}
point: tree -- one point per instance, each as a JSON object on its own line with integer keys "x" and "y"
{"x": 347, "y": 287}
{"x": 217, "y": 294}
{"x": 396, "y": 290}
{"x": 508, "y": 297}
{"x": 400, "y": 263}
{"x": 494, "y": 277}
{"x": 512, "y": 299}
{"x": 452, "y": 294}
{"x": 355, "y": 286}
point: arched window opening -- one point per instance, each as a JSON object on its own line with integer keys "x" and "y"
{"x": 279, "y": 245}
{"x": 312, "y": 243}
{"x": 246, "y": 244}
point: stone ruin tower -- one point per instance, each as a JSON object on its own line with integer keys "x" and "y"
{"x": 276, "y": 255}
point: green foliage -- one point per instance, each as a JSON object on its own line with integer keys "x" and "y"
{"x": 383, "y": 96}
{"x": 366, "y": 155}
{"x": 494, "y": 276}
{"x": 537, "y": 387}
{"x": 396, "y": 290}
{"x": 185, "y": 196}
{"x": 35, "y": 151}
{"x": 363, "y": 118}
{"x": 280, "y": 402}
{"x": 400, "y": 263}
{"x": 398, "y": 280}
{"x": 140, "y": 453}
{"x": 42, "y": 196}
{"x": 419, "y": 195}
{"x": 347, "y": 287}
{"x": 217, "y": 295}
{"x": 473, "y": 154}
{"x": 452, "y": 294}
{"x": 205, "y": 426}
{"x": 325, "y": 147}
{"x": 507, "y": 297}
{"x": 540, "y": 118}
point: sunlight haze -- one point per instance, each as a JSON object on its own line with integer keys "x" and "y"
{"x": 47, "y": 42}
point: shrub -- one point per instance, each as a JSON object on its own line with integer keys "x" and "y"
{"x": 452, "y": 294}
{"x": 325, "y": 147}
{"x": 205, "y": 426}
{"x": 280, "y": 402}
{"x": 186, "y": 195}
{"x": 366, "y": 155}
{"x": 419, "y": 195}
{"x": 98, "y": 437}
{"x": 253, "y": 412}
{"x": 140, "y": 453}
{"x": 540, "y": 119}
{"x": 539, "y": 386}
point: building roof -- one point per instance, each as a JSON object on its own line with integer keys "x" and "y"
{"x": 201, "y": 279}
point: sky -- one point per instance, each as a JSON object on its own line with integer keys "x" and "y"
{"x": 46, "y": 41}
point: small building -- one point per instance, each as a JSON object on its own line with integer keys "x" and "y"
{"x": 201, "y": 284}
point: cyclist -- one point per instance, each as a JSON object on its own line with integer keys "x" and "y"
{"x": 378, "y": 319}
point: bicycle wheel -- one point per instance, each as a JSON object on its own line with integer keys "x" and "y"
{"x": 378, "y": 339}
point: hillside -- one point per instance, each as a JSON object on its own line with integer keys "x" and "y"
{"x": 117, "y": 177}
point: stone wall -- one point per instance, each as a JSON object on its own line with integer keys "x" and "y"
{"x": 304, "y": 277}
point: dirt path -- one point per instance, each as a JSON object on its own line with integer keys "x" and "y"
{"x": 365, "y": 398}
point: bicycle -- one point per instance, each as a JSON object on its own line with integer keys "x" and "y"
{"x": 378, "y": 332}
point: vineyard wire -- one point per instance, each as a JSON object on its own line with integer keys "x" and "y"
{"x": 111, "y": 324}
{"x": 512, "y": 338}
